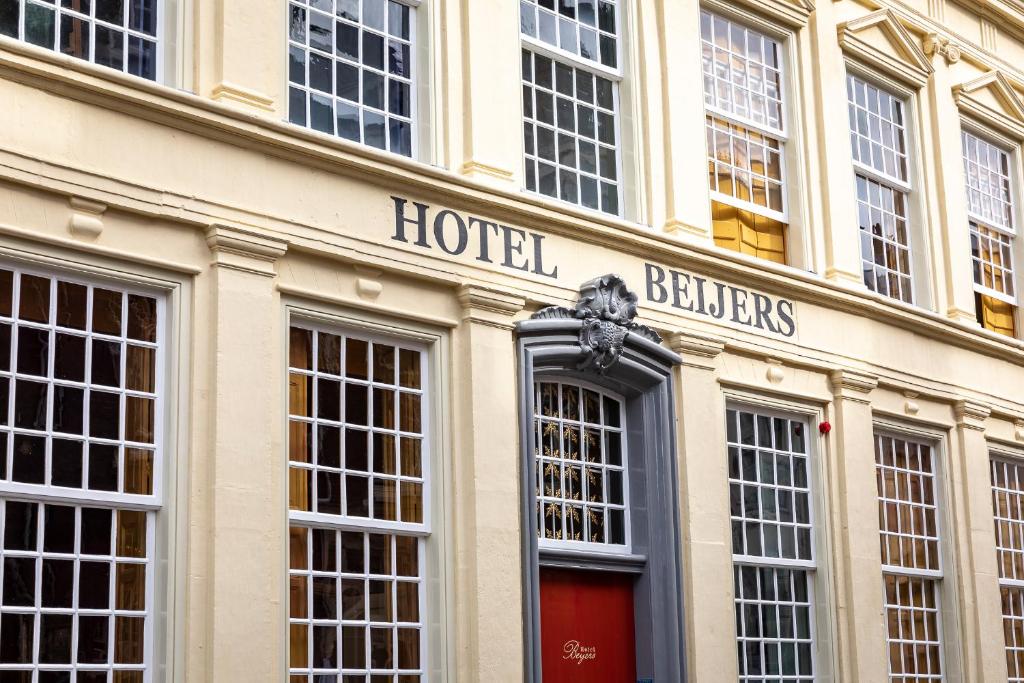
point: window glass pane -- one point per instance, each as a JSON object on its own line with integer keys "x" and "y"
{"x": 912, "y": 618}
{"x": 885, "y": 239}
{"x": 742, "y": 72}
{"x": 580, "y": 483}
{"x": 370, "y": 583}
{"x": 773, "y": 624}
{"x": 575, "y": 125}
{"x": 907, "y": 509}
{"x": 78, "y": 429}
{"x": 120, "y": 34}
{"x": 62, "y": 587}
{"x": 987, "y": 175}
{"x": 770, "y": 502}
{"x": 877, "y": 128}
{"x": 358, "y": 419}
{"x": 573, "y": 26}
{"x": 362, "y": 55}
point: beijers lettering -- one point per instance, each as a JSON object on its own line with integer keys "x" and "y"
{"x": 719, "y": 301}
{"x": 454, "y": 234}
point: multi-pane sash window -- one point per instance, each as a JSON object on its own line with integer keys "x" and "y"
{"x": 351, "y": 71}
{"x": 1008, "y": 507}
{"x": 991, "y": 216}
{"x": 570, "y": 101}
{"x": 746, "y": 134}
{"x": 878, "y": 140}
{"x": 580, "y": 466}
{"x": 79, "y": 484}
{"x": 121, "y": 34}
{"x": 773, "y": 555}
{"x": 911, "y": 563}
{"x": 357, "y": 469}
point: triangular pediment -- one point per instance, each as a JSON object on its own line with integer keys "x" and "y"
{"x": 882, "y": 41}
{"x": 794, "y": 13}
{"x": 994, "y": 91}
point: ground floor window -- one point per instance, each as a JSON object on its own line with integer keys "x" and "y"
{"x": 773, "y": 553}
{"x": 358, "y": 492}
{"x": 911, "y": 560}
{"x": 80, "y": 463}
{"x": 1008, "y": 507}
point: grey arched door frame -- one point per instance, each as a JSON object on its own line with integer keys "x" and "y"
{"x": 598, "y": 342}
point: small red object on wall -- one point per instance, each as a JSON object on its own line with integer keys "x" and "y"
{"x": 587, "y": 629}
{"x": 825, "y": 427}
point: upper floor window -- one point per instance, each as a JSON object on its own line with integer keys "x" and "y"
{"x": 745, "y": 128}
{"x": 351, "y": 70}
{"x": 878, "y": 141}
{"x": 571, "y": 82}
{"x": 80, "y": 484}
{"x": 990, "y": 212}
{"x": 121, "y": 34}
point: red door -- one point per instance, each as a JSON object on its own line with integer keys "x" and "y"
{"x": 586, "y": 625}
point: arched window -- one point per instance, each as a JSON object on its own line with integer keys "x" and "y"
{"x": 601, "y": 547}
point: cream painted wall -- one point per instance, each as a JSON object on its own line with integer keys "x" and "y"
{"x": 246, "y": 215}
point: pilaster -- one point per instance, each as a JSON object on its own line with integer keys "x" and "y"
{"x": 949, "y": 211}
{"x": 839, "y": 205}
{"x": 487, "y": 499}
{"x": 686, "y": 176}
{"x": 977, "y": 570}
{"x": 231, "y": 71}
{"x": 704, "y": 509}
{"x": 854, "y": 520}
{"x": 245, "y": 461}
{"x": 491, "y": 125}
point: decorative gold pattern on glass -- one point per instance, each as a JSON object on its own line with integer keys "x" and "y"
{"x": 580, "y": 465}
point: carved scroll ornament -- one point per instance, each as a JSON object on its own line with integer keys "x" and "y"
{"x": 607, "y": 309}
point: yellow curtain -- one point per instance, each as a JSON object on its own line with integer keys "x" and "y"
{"x": 748, "y": 232}
{"x": 996, "y": 315}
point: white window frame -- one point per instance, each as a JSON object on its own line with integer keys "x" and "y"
{"x": 431, "y": 573}
{"x": 166, "y": 37}
{"x": 783, "y": 135}
{"x": 161, "y": 527}
{"x": 421, "y": 58}
{"x": 618, "y": 79}
{"x": 813, "y": 569}
{"x": 591, "y": 546}
{"x": 906, "y": 98}
{"x": 1012, "y": 152}
{"x": 1011, "y": 459}
{"x": 944, "y": 599}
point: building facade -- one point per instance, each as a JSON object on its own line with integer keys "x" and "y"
{"x": 584, "y": 340}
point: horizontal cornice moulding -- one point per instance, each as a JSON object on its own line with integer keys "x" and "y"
{"x": 793, "y": 13}
{"x": 164, "y": 106}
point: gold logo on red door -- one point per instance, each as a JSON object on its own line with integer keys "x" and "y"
{"x": 573, "y": 651}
